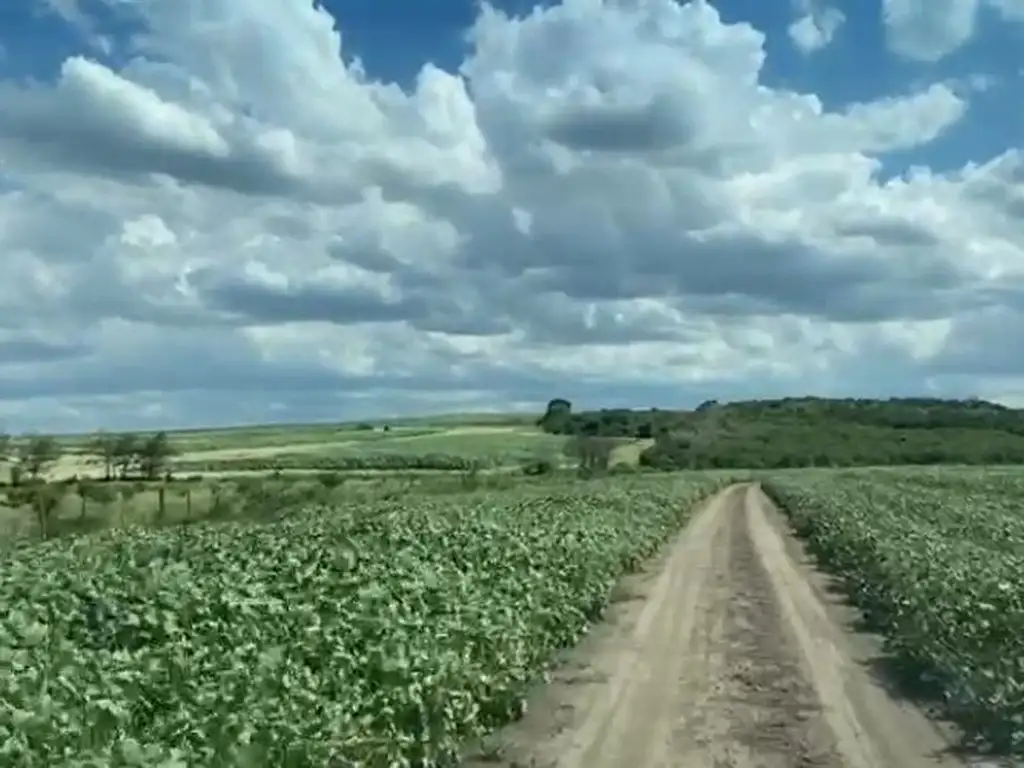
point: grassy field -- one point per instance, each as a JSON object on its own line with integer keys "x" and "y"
{"x": 367, "y": 455}
{"x": 234, "y": 496}
{"x": 494, "y": 441}
{"x": 288, "y": 434}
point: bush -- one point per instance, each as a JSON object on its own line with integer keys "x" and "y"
{"x": 538, "y": 467}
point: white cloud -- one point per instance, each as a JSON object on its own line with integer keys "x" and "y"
{"x": 816, "y": 26}
{"x": 604, "y": 202}
{"x": 1010, "y": 10}
{"x": 929, "y": 30}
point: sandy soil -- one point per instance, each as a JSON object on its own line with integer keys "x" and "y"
{"x": 629, "y": 453}
{"x": 731, "y": 653}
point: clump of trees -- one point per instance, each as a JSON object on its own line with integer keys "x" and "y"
{"x": 808, "y": 431}
{"x": 125, "y": 455}
{"x": 30, "y": 459}
{"x": 592, "y": 454}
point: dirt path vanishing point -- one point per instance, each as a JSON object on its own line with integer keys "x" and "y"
{"x": 730, "y": 655}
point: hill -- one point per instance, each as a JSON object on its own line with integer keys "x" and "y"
{"x": 809, "y": 431}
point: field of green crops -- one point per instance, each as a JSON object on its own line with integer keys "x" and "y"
{"x": 383, "y": 633}
{"x": 935, "y": 558}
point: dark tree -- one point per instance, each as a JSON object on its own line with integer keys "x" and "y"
{"x": 557, "y": 417}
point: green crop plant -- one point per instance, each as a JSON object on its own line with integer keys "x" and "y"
{"x": 374, "y": 633}
{"x": 935, "y": 559}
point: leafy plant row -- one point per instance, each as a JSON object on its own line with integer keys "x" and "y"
{"x": 383, "y": 461}
{"x": 936, "y": 562}
{"x": 381, "y": 633}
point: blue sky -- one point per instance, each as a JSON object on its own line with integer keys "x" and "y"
{"x": 210, "y": 215}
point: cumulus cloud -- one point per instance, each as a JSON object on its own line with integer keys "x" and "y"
{"x": 604, "y": 201}
{"x": 929, "y": 30}
{"x": 815, "y": 26}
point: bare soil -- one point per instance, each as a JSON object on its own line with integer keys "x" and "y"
{"x": 730, "y": 653}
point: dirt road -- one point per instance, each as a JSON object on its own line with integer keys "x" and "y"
{"x": 729, "y": 654}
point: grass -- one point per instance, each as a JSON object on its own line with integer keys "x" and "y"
{"x": 488, "y": 439}
{"x": 446, "y": 443}
{"x": 455, "y": 449}
{"x": 182, "y": 502}
{"x": 215, "y": 438}
{"x": 629, "y": 452}
{"x": 237, "y": 496}
{"x": 511, "y": 445}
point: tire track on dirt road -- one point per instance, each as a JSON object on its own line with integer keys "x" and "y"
{"x": 729, "y": 657}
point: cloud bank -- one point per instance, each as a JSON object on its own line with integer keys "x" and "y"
{"x": 605, "y": 201}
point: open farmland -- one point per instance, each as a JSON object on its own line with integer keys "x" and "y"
{"x": 376, "y": 632}
{"x": 935, "y": 559}
{"x": 445, "y": 444}
{"x": 438, "y": 448}
{"x": 417, "y": 627}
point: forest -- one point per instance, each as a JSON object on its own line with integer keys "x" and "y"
{"x": 807, "y": 431}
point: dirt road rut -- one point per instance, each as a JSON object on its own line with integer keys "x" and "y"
{"x": 727, "y": 656}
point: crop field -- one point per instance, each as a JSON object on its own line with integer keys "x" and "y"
{"x": 396, "y": 628}
{"x": 382, "y": 633}
{"x": 413, "y": 448}
{"x": 935, "y": 559}
{"x": 501, "y": 444}
{"x": 437, "y": 444}
{"x": 296, "y": 434}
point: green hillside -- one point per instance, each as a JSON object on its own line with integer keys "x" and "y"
{"x": 810, "y": 431}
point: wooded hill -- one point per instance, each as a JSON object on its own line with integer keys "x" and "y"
{"x": 809, "y": 431}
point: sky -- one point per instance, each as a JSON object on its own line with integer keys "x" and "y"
{"x": 223, "y": 211}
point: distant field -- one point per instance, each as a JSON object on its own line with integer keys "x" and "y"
{"x": 629, "y": 452}
{"x": 268, "y": 434}
{"x": 494, "y": 439}
{"x": 492, "y": 446}
{"x": 264, "y": 441}
{"x": 482, "y": 442}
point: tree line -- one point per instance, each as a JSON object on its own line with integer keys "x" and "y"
{"x": 123, "y": 456}
{"x": 810, "y": 431}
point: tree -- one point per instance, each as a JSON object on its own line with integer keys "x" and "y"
{"x": 690, "y": 445}
{"x": 125, "y": 494}
{"x": 153, "y": 454}
{"x": 5, "y": 451}
{"x": 104, "y": 445}
{"x": 90, "y": 490}
{"x": 557, "y": 416}
{"x": 43, "y": 498}
{"x": 38, "y": 454}
{"x": 593, "y": 453}
{"x": 125, "y": 450}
